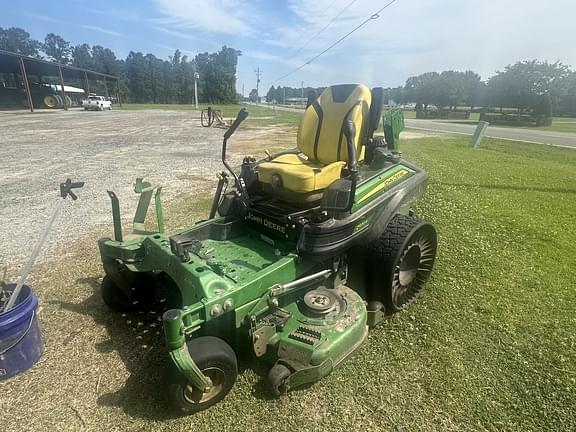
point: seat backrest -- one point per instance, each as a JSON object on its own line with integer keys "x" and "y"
{"x": 320, "y": 134}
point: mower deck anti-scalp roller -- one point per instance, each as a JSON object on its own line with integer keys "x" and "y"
{"x": 303, "y": 252}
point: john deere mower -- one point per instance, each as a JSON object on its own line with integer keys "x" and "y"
{"x": 302, "y": 252}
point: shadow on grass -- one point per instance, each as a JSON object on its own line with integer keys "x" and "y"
{"x": 505, "y": 187}
{"x": 138, "y": 340}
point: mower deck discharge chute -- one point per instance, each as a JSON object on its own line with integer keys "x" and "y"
{"x": 303, "y": 251}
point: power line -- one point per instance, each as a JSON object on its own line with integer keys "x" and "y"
{"x": 374, "y": 16}
{"x": 327, "y": 8}
{"x": 326, "y": 26}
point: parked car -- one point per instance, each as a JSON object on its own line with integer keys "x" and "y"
{"x": 96, "y": 103}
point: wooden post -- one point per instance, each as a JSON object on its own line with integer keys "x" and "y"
{"x": 62, "y": 88}
{"x": 26, "y": 85}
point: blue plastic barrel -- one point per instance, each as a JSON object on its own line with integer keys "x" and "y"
{"x": 21, "y": 342}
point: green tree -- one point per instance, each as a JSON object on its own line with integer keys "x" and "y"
{"x": 104, "y": 60}
{"x": 271, "y": 95}
{"x": 56, "y": 48}
{"x": 523, "y": 85}
{"x": 253, "y": 96}
{"x": 217, "y": 83}
{"x": 567, "y": 101}
{"x": 17, "y": 40}
{"x": 423, "y": 88}
{"x": 82, "y": 56}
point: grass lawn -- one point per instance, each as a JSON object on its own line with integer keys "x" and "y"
{"x": 561, "y": 124}
{"x": 490, "y": 345}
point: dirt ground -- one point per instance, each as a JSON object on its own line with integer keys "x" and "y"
{"x": 107, "y": 150}
{"x": 88, "y": 363}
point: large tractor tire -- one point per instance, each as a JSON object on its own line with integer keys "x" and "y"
{"x": 51, "y": 101}
{"x": 401, "y": 262}
{"x": 217, "y": 360}
{"x": 68, "y": 100}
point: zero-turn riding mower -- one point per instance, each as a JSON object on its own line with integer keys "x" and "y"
{"x": 305, "y": 251}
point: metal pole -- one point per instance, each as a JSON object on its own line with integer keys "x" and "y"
{"x": 26, "y": 85}
{"x": 26, "y": 272}
{"x": 106, "y": 88}
{"x": 86, "y": 85}
{"x": 62, "y": 88}
{"x": 196, "y": 76}
{"x": 118, "y": 90}
{"x": 478, "y": 134}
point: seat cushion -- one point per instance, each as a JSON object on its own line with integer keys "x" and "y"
{"x": 298, "y": 174}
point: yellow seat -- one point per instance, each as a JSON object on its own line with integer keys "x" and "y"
{"x": 300, "y": 175}
{"x": 321, "y": 142}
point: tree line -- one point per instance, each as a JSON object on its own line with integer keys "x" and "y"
{"x": 145, "y": 78}
{"x": 527, "y": 86}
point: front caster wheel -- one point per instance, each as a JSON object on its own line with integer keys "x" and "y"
{"x": 277, "y": 379}
{"x": 141, "y": 295}
{"x": 402, "y": 261}
{"x": 217, "y": 360}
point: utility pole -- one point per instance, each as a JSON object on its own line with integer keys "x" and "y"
{"x": 196, "y": 76}
{"x": 258, "y": 73}
{"x": 242, "y": 90}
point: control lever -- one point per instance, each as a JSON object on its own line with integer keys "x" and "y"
{"x": 242, "y": 114}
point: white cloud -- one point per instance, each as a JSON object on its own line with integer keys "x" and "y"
{"x": 262, "y": 55}
{"x": 99, "y": 29}
{"x": 82, "y": 26}
{"x": 216, "y": 16}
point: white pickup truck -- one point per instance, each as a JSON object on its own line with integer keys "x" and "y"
{"x": 96, "y": 103}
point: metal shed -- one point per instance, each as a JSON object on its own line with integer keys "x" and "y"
{"x": 24, "y": 67}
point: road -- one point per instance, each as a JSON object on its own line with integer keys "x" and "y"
{"x": 560, "y": 139}
{"x": 536, "y": 136}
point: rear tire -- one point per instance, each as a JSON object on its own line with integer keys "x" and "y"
{"x": 217, "y": 360}
{"x": 401, "y": 261}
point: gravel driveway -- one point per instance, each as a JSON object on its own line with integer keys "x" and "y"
{"x": 107, "y": 150}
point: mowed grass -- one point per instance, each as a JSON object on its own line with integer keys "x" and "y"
{"x": 491, "y": 343}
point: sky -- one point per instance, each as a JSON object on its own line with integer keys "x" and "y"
{"x": 278, "y": 36}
